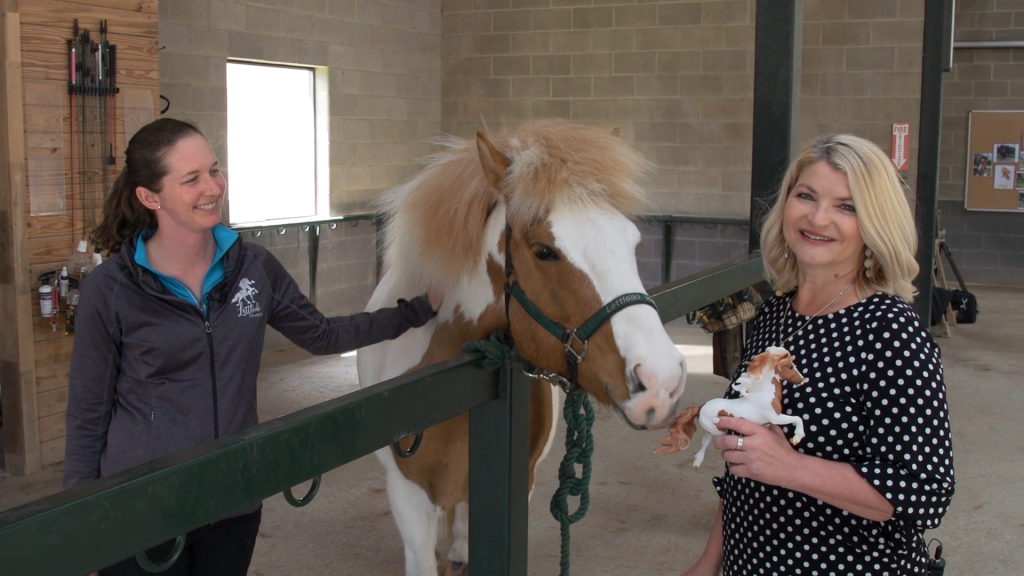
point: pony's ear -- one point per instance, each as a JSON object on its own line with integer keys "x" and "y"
{"x": 615, "y": 131}
{"x": 495, "y": 164}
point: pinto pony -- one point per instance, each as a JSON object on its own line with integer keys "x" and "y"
{"x": 760, "y": 401}
{"x": 566, "y": 193}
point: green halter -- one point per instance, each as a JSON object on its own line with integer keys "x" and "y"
{"x": 567, "y": 336}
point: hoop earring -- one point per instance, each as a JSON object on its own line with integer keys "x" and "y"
{"x": 786, "y": 255}
{"x": 868, "y": 262}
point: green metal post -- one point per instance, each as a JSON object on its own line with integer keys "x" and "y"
{"x": 499, "y": 451}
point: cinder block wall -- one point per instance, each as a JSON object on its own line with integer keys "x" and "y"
{"x": 988, "y": 247}
{"x": 384, "y": 66}
{"x": 676, "y": 77}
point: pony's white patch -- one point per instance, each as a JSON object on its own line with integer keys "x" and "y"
{"x": 389, "y": 359}
{"x": 476, "y": 294}
{"x": 602, "y": 244}
{"x": 416, "y": 517}
{"x": 460, "y": 534}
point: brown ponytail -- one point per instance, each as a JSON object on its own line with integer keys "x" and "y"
{"x": 124, "y": 216}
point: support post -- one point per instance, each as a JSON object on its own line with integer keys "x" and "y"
{"x": 666, "y": 252}
{"x": 17, "y": 349}
{"x": 313, "y": 244}
{"x": 935, "y": 15}
{"x": 499, "y": 452}
{"x": 778, "y": 43}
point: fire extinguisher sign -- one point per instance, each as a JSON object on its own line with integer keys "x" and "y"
{"x": 900, "y": 134}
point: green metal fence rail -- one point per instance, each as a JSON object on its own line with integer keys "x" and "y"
{"x": 80, "y": 530}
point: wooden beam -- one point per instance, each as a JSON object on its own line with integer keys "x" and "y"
{"x": 17, "y": 350}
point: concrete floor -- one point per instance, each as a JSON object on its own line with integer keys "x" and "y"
{"x": 648, "y": 514}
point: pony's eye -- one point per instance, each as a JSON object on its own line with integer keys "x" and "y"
{"x": 545, "y": 254}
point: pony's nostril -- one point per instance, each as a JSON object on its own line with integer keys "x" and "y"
{"x": 638, "y": 382}
{"x": 651, "y": 413}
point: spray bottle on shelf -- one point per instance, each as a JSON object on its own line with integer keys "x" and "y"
{"x": 80, "y": 261}
{"x": 62, "y": 283}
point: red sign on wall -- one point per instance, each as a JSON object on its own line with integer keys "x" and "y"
{"x": 900, "y": 134}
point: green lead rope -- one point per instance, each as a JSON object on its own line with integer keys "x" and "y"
{"x": 579, "y": 441}
{"x": 579, "y": 447}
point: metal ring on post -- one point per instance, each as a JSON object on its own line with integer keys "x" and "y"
{"x": 257, "y": 233}
{"x": 149, "y": 566}
{"x": 281, "y": 231}
{"x": 333, "y": 225}
{"x": 397, "y": 448}
{"x": 300, "y": 502}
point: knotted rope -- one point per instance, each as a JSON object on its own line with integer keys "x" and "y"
{"x": 579, "y": 440}
{"x": 579, "y": 447}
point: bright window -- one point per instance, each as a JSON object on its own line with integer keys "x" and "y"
{"x": 271, "y": 142}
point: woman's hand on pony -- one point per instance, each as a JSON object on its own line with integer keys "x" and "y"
{"x": 766, "y": 455}
{"x": 435, "y": 298}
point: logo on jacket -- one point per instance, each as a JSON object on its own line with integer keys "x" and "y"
{"x": 247, "y": 305}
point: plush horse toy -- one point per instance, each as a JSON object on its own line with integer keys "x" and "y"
{"x": 760, "y": 401}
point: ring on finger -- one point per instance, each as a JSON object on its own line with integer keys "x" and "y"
{"x": 739, "y": 443}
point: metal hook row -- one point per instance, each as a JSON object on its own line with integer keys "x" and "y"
{"x": 179, "y": 543}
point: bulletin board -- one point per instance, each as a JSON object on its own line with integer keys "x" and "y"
{"x": 995, "y": 161}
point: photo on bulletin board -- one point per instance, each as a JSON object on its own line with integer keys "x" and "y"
{"x": 983, "y": 164}
{"x": 1006, "y": 177}
{"x": 1006, "y": 152}
{"x": 1020, "y": 200}
{"x": 1020, "y": 179}
{"x": 995, "y": 146}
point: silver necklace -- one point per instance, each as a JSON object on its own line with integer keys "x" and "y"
{"x": 809, "y": 320}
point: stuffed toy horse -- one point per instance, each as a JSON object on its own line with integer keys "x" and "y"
{"x": 760, "y": 401}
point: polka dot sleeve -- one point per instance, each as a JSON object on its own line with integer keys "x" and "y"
{"x": 908, "y": 449}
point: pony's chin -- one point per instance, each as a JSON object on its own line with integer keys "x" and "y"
{"x": 664, "y": 423}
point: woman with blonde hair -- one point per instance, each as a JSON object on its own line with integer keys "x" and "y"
{"x": 875, "y": 469}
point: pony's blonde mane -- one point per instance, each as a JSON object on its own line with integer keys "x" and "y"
{"x": 435, "y": 221}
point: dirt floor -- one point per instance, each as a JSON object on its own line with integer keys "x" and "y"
{"x": 648, "y": 514}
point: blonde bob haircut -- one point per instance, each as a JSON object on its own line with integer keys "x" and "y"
{"x": 883, "y": 214}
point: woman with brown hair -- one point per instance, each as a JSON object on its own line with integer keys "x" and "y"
{"x": 170, "y": 332}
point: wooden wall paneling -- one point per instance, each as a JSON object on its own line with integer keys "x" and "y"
{"x": 52, "y": 427}
{"x": 52, "y": 451}
{"x": 52, "y": 377}
{"x": 45, "y": 129}
{"x": 17, "y": 363}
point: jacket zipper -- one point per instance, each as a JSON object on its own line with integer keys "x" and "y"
{"x": 213, "y": 379}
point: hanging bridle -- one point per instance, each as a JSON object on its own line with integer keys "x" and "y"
{"x": 567, "y": 336}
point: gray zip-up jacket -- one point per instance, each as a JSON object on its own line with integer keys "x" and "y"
{"x": 150, "y": 375}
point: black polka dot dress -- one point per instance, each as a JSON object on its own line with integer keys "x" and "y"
{"x": 874, "y": 398}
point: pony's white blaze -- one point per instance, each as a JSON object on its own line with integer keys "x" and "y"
{"x": 602, "y": 244}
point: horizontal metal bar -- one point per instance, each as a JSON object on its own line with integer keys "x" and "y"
{"x": 292, "y": 222}
{"x": 679, "y": 298}
{"x": 694, "y": 219}
{"x": 990, "y": 44}
{"x": 83, "y": 529}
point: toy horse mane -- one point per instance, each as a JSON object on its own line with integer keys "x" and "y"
{"x": 435, "y": 222}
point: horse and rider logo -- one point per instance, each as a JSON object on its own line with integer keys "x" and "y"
{"x": 247, "y": 305}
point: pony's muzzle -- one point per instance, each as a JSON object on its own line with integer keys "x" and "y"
{"x": 653, "y": 398}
